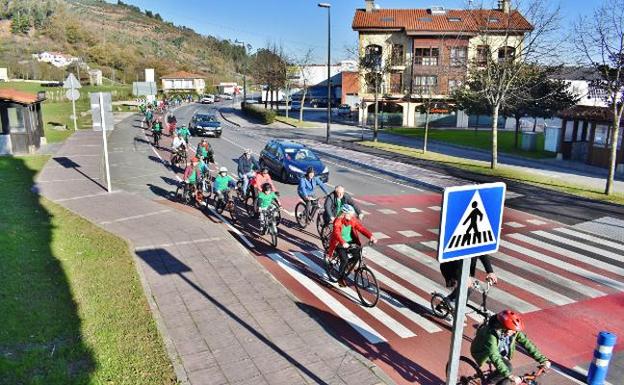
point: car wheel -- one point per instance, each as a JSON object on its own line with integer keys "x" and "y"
{"x": 284, "y": 176}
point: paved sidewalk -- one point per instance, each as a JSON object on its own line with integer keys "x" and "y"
{"x": 224, "y": 319}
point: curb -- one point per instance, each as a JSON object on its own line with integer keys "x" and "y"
{"x": 228, "y": 120}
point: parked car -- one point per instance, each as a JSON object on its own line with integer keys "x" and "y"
{"x": 207, "y": 99}
{"x": 205, "y": 124}
{"x": 217, "y": 98}
{"x": 227, "y": 97}
{"x": 290, "y": 160}
{"x": 344, "y": 109}
{"x": 295, "y": 105}
{"x": 322, "y": 103}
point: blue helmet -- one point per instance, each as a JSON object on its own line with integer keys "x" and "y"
{"x": 348, "y": 209}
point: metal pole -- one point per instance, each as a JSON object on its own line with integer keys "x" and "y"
{"x": 287, "y": 97}
{"x": 108, "y": 181}
{"x": 376, "y": 106}
{"x": 458, "y": 325}
{"x": 74, "y": 107}
{"x": 328, "y": 72}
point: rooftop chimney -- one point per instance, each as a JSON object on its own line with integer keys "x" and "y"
{"x": 504, "y": 5}
{"x": 370, "y": 5}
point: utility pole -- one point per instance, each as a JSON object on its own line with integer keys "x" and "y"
{"x": 376, "y": 107}
{"x": 328, "y": 7}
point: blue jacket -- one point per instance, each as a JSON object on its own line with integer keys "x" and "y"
{"x": 306, "y": 187}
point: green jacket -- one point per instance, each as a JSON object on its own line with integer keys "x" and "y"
{"x": 484, "y": 348}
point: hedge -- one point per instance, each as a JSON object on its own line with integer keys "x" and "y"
{"x": 265, "y": 116}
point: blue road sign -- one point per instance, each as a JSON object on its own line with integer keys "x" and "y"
{"x": 471, "y": 221}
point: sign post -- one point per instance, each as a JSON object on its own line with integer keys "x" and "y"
{"x": 72, "y": 84}
{"x": 105, "y": 141}
{"x": 470, "y": 225}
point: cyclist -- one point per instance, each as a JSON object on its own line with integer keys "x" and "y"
{"x": 495, "y": 342}
{"x": 334, "y": 203}
{"x": 184, "y": 131}
{"x": 171, "y": 124}
{"x": 265, "y": 199}
{"x": 156, "y": 130}
{"x": 247, "y": 164}
{"x": 451, "y": 271}
{"x": 149, "y": 116}
{"x": 177, "y": 147}
{"x": 344, "y": 235}
{"x": 264, "y": 177}
{"x": 204, "y": 151}
{"x": 192, "y": 176}
{"x": 306, "y": 188}
{"x": 223, "y": 185}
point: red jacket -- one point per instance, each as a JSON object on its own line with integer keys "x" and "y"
{"x": 356, "y": 228}
{"x": 260, "y": 179}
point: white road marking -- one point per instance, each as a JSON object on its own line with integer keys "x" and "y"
{"x": 130, "y": 218}
{"x": 338, "y": 308}
{"x": 409, "y": 233}
{"x": 387, "y": 211}
{"x": 537, "y": 222}
{"x": 364, "y": 203}
{"x": 84, "y": 196}
{"x": 587, "y": 237}
{"x": 435, "y": 208}
{"x": 434, "y": 231}
{"x": 583, "y": 246}
{"x": 412, "y": 210}
{"x": 515, "y": 225}
{"x": 380, "y": 235}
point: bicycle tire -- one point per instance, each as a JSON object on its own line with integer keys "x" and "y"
{"x": 232, "y": 210}
{"x": 278, "y": 215}
{"x": 320, "y": 222}
{"x": 332, "y": 268}
{"x": 301, "y": 215}
{"x": 188, "y": 197}
{"x": 468, "y": 372}
{"x": 326, "y": 236}
{"x": 177, "y": 195}
{"x": 249, "y": 206}
{"x": 366, "y": 286}
{"x": 439, "y": 306}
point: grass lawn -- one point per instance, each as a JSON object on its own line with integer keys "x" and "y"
{"x": 73, "y": 309}
{"x": 296, "y": 122}
{"x": 510, "y": 173}
{"x": 481, "y": 139}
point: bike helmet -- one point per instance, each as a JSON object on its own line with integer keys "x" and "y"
{"x": 348, "y": 209}
{"x": 510, "y": 320}
{"x": 195, "y": 159}
{"x": 223, "y": 170}
{"x": 247, "y": 151}
{"x": 266, "y": 186}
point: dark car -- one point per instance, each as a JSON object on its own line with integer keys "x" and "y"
{"x": 205, "y": 124}
{"x": 290, "y": 160}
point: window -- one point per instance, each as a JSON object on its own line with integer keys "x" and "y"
{"x": 580, "y": 131}
{"x": 454, "y": 19}
{"x": 483, "y": 54}
{"x": 425, "y": 84}
{"x": 396, "y": 82}
{"x": 453, "y": 85}
{"x": 458, "y": 56}
{"x": 569, "y": 131}
{"x": 493, "y": 20}
{"x": 426, "y": 56}
{"x": 425, "y": 19}
{"x": 372, "y": 57}
{"x": 506, "y": 54}
{"x": 370, "y": 81}
{"x": 387, "y": 19}
{"x": 16, "y": 120}
{"x": 601, "y": 134}
{"x": 397, "y": 55}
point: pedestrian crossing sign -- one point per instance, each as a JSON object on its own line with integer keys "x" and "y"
{"x": 471, "y": 221}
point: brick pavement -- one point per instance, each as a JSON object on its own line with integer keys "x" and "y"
{"x": 224, "y": 318}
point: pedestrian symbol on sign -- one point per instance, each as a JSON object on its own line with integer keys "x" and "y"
{"x": 474, "y": 228}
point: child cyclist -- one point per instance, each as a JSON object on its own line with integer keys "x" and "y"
{"x": 266, "y": 197}
{"x": 223, "y": 184}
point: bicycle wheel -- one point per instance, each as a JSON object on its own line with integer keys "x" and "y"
{"x": 326, "y": 235}
{"x": 278, "y": 215}
{"x": 366, "y": 286}
{"x": 178, "y": 194}
{"x": 332, "y": 268}
{"x": 249, "y": 206}
{"x": 188, "y": 196}
{"x": 469, "y": 372}
{"x": 439, "y": 306}
{"x": 232, "y": 209}
{"x": 320, "y": 222}
{"x": 219, "y": 205}
{"x": 301, "y": 215}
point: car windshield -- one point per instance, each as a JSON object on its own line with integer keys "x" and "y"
{"x": 301, "y": 154}
{"x": 206, "y": 118}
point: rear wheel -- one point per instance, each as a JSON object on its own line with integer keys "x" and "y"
{"x": 284, "y": 176}
{"x": 232, "y": 209}
{"x": 326, "y": 235}
{"x": 219, "y": 205}
{"x": 439, "y": 306}
{"x": 366, "y": 286}
{"x": 301, "y": 215}
{"x": 468, "y": 372}
{"x": 249, "y": 206}
{"x": 332, "y": 268}
{"x": 320, "y": 222}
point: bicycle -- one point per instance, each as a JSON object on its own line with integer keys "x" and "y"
{"x": 179, "y": 158}
{"x": 441, "y": 307}
{"x": 271, "y": 220}
{"x": 365, "y": 282}
{"x": 156, "y": 136}
{"x": 184, "y": 193}
{"x": 469, "y": 373}
{"x": 206, "y": 187}
{"x": 225, "y": 202}
{"x": 305, "y": 216}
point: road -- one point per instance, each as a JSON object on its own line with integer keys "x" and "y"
{"x": 561, "y": 278}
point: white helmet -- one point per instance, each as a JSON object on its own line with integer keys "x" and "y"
{"x": 248, "y": 151}
{"x": 223, "y": 170}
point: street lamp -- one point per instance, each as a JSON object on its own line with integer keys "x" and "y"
{"x": 328, "y": 7}
{"x": 244, "y": 70}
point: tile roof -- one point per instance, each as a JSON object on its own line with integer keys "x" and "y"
{"x": 182, "y": 75}
{"x": 421, "y": 20}
{"x": 9, "y": 94}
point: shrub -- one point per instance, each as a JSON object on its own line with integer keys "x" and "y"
{"x": 265, "y": 116}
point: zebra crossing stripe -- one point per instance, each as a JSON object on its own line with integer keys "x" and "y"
{"x": 416, "y": 318}
{"x": 370, "y": 334}
{"x": 412, "y": 210}
{"x": 583, "y": 246}
{"x": 568, "y": 253}
{"x": 591, "y": 238}
{"x": 498, "y": 295}
{"x": 376, "y": 312}
{"x": 515, "y": 225}
{"x": 598, "y": 278}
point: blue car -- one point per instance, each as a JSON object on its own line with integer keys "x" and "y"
{"x": 290, "y": 160}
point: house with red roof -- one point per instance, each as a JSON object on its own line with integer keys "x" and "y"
{"x": 183, "y": 82}
{"x": 417, "y": 54}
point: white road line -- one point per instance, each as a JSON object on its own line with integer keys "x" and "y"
{"x": 409, "y": 275}
{"x": 434, "y": 231}
{"x": 537, "y": 222}
{"x": 412, "y": 210}
{"x": 338, "y": 308}
{"x": 130, "y": 218}
{"x": 387, "y": 211}
{"x": 364, "y": 203}
{"x": 515, "y": 225}
{"x": 162, "y": 245}
{"x": 568, "y": 253}
{"x": 419, "y": 320}
{"x": 598, "y": 278}
{"x": 498, "y": 295}
{"x": 375, "y": 312}
{"x": 409, "y": 233}
{"x": 583, "y": 246}
{"x": 380, "y": 235}
{"x": 591, "y": 238}
{"x": 84, "y": 196}
{"x": 435, "y": 208}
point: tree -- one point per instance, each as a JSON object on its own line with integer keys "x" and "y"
{"x": 503, "y": 55}
{"x": 601, "y": 40}
{"x": 303, "y": 64}
{"x": 270, "y": 69}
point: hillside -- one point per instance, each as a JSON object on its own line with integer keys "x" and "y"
{"x": 117, "y": 38}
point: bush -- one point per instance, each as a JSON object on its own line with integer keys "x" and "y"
{"x": 265, "y": 116}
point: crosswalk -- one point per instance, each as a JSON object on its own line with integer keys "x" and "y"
{"x": 537, "y": 270}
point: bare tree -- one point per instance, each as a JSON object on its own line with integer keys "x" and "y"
{"x": 303, "y": 63}
{"x": 601, "y": 40}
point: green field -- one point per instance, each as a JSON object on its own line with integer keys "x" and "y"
{"x": 481, "y": 139}
{"x": 73, "y": 309}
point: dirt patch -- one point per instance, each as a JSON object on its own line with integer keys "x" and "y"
{"x": 5, "y": 28}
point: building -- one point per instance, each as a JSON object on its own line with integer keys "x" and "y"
{"x": 315, "y": 77}
{"x": 95, "y": 77}
{"x": 4, "y": 75}
{"x": 57, "y": 59}
{"x": 423, "y": 54}
{"x": 228, "y": 88}
{"x": 183, "y": 82}
{"x": 21, "y": 125}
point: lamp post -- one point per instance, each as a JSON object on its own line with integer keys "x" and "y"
{"x": 244, "y": 71}
{"x": 328, "y": 7}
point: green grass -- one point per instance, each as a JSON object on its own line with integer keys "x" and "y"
{"x": 481, "y": 139}
{"x": 510, "y": 173}
{"x": 124, "y": 91}
{"x": 73, "y": 309}
{"x": 296, "y": 122}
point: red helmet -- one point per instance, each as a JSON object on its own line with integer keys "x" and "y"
{"x": 194, "y": 159}
{"x": 510, "y": 320}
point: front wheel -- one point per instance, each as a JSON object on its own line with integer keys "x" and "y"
{"x": 301, "y": 215}
{"x": 232, "y": 209}
{"x": 439, "y": 305}
{"x": 326, "y": 236}
{"x": 320, "y": 222}
{"x": 468, "y": 372}
{"x": 332, "y": 268}
{"x": 366, "y": 286}
{"x": 284, "y": 176}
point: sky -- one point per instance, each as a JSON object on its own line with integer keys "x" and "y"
{"x": 300, "y": 25}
